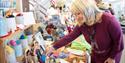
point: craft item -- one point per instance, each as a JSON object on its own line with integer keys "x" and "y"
{"x": 12, "y": 42}
{"x": 3, "y": 27}
{"x": 29, "y": 38}
{"x": 11, "y": 23}
{"x": 24, "y": 41}
{"x": 11, "y": 58}
{"x": 20, "y": 19}
{"x": 18, "y": 50}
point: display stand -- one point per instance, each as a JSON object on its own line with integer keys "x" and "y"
{"x": 4, "y": 41}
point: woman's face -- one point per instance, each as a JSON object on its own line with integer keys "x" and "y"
{"x": 80, "y": 19}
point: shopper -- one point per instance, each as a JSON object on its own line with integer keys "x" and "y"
{"x": 122, "y": 18}
{"x": 100, "y": 29}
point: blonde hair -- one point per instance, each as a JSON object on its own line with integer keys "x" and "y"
{"x": 87, "y": 7}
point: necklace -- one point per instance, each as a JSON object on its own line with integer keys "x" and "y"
{"x": 91, "y": 31}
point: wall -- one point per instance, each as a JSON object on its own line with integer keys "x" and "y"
{"x": 19, "y": 5}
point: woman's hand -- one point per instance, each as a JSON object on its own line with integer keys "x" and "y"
{"x": 50, "y": 50}
{"x": 109, "y": 60}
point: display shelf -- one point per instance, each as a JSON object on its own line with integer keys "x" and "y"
{"x": 11, "y": 35}
{"x": 5, "y": 40}
{"x": 5, "y": 8}
{"x": 2, "y": 54}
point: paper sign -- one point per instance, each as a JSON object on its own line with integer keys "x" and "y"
{"x": 40, "y": 40}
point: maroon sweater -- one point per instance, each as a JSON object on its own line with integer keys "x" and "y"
{"x": 108, "y": 36}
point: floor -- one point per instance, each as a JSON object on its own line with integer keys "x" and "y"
{"x": 123, "y": 55}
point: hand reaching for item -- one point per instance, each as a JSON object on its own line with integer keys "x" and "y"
{"x": 109, "y": 60}
{"x": 50, "y": 51}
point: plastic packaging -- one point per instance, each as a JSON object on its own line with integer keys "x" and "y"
{"x": 11, "y": 23}
{"x": 18, "y": 50}
{"x": 11, "y": 58}
{"x": 24, "y": 41}
{"x": 3, "y": 27}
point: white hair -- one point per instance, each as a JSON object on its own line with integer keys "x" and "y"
{"x": 87, "y": 7}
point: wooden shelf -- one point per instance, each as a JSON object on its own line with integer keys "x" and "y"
{"x": 2, "y": 54}
{"x": 3, "y": 42}
{"x": 10, "y": 35}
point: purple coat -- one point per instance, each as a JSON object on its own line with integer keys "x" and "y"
{"x": 108, "y": 37}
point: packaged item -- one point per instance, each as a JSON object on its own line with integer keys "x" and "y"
{"x": 11, "y": 58}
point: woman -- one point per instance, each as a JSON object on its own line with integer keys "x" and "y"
{"x": 100, "y": 29}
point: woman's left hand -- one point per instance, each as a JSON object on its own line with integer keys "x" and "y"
{"x": 109, "y": 60}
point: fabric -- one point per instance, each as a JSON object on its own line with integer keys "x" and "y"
{"x": 80, "y": 44}
{"x": 108, "y": 37}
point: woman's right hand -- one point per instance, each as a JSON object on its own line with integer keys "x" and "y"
{"x": 109, "y": 60}
{"x": 50, "y": 50}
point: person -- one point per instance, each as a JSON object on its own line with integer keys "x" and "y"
{"x": 51, "y": 30}
{"x": 122, "y": 17}
{"x": 105, "y": 7}
{"x": 99, "y": 28}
